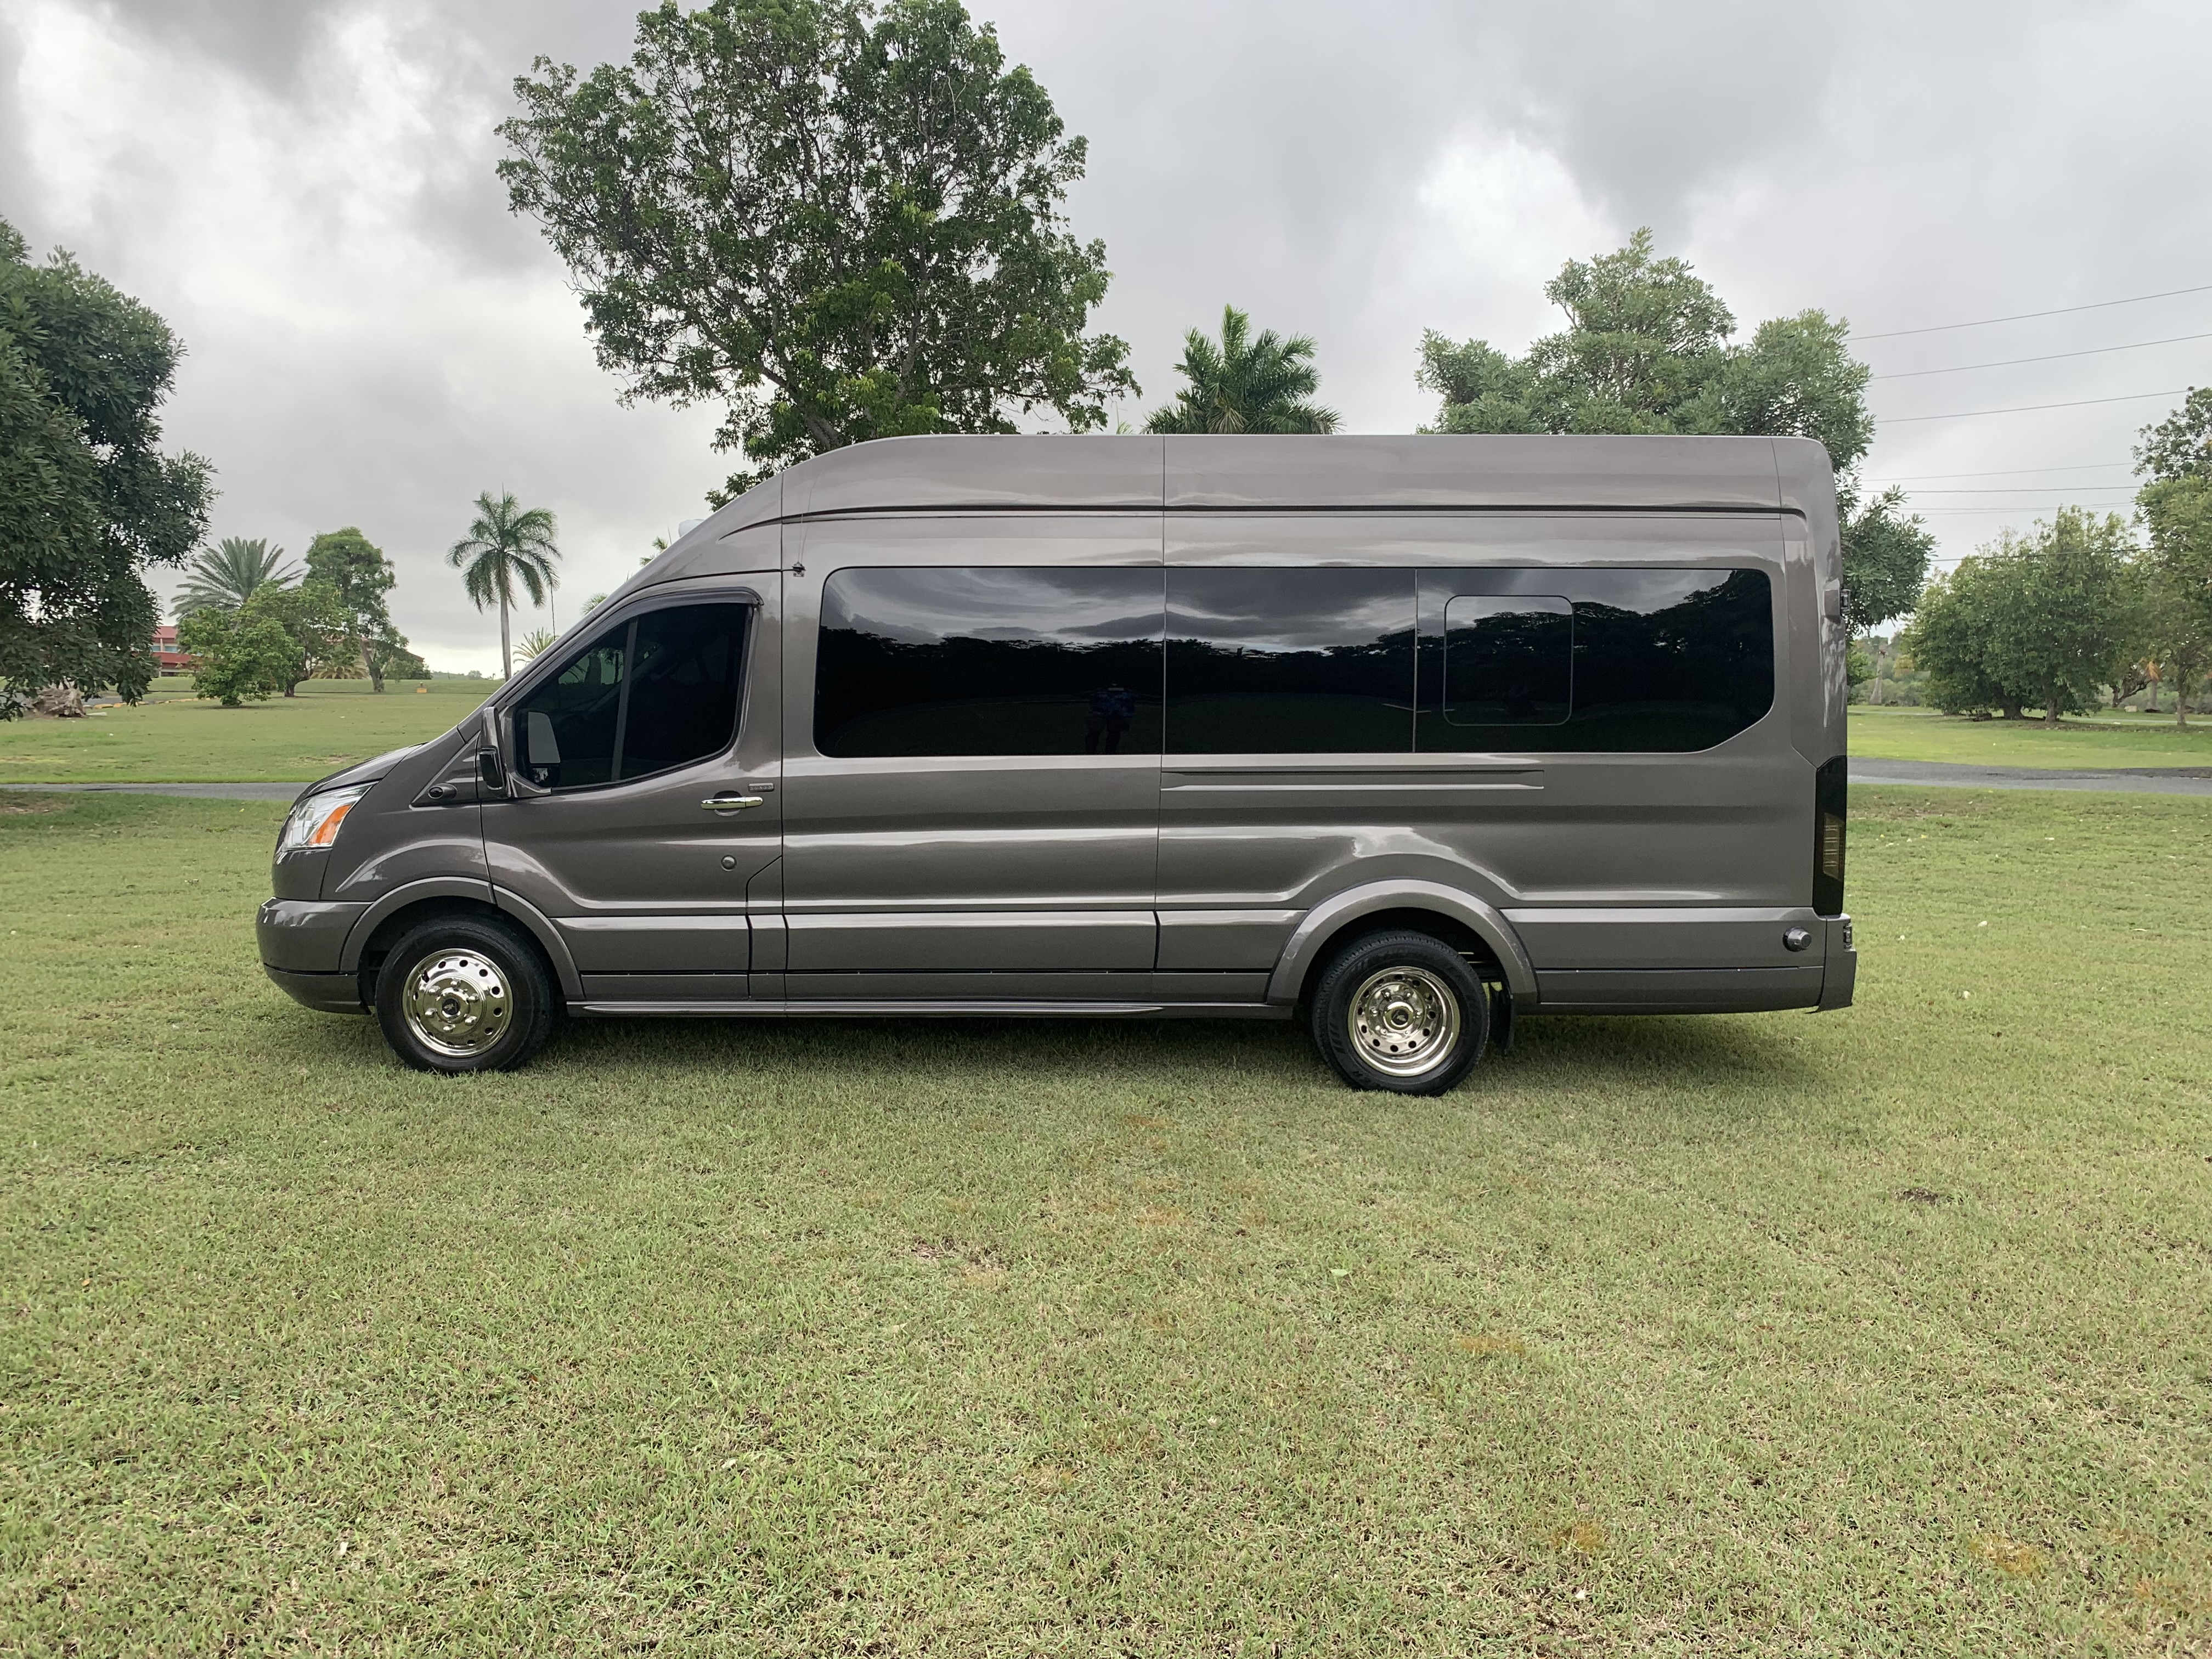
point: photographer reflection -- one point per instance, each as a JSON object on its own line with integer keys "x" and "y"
{"x": 1112, "y": 710}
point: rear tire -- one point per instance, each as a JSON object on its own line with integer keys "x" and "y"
{"x": 1400, "y": 1012}
{"x": 461, "y": 994}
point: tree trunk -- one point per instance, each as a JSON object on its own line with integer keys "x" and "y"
{"x": 2011, "y": 711}
{"x": 2051, "y": 711}
{"x": 506, "y": 650}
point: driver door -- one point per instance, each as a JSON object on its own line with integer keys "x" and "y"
{"x": 646, "y": 820}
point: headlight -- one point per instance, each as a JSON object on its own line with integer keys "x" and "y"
{"x": 314, "y": 822}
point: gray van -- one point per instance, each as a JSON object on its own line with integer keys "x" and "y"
{"x": 1411, "y": 735}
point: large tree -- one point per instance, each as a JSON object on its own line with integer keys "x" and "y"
{"x": 1246, "y": 383}
{"x": 507, "y": 543}
{"x": 88, "y": 500}
{"x": 358, "y": 575}
{"x": 2039, "y": 619}
{"x": 2176, "y": 505}
{"x": 1649, "y": 347}
{"x": 841, "y": 221}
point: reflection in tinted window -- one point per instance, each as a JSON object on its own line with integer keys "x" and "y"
{"x": 683, "y": 666}
{"x": 1509, "y": 660}
{"x": 1661, "y": 660}
{"x": 989, "y": 660}
{"x": 1290, "y": 661}
{"x": 565, "y": 729}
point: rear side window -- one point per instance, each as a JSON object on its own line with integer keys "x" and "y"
{"x": 1509, "y": 660}
{"x": 649, "y": 695}
{"x": 1651, "y": 661}
{"x": 989, "y": 660}
{"x": 1304, "y": 660}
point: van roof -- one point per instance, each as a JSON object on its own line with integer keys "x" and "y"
{"x": 1378, "y": 473}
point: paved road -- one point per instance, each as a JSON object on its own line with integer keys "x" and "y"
{"x": 204, "y": 791}
{"x": 2129, "y": 779}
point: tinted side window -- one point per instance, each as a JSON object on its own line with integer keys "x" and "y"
{"x": 652, "y": 693}
{"x": 683, "y": 674}
{"x": 989, "y": 660}
{"x": 1308, "y": 660}
{"x": 1566, "y": 659}
{"x": 565, "y": 729}
{"x": 1674, "y": 659}
{"x": 1509, "y": 660}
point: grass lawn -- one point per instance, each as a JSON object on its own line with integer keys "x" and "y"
{"x": 175, "y": 740}
{"x": 1884, "y": 1331}
{"x": 2101, "y": 740}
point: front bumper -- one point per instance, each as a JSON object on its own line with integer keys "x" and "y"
{"x": 327, "y": 993}
{"x": 304, "y": 936}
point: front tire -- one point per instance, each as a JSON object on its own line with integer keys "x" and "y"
{"x": 460, "y": 994}
{"x": 1400, "y": 1012}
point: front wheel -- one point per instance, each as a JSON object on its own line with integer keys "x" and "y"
{"x": 1400, "y": 1012}
{"x": 460, "y": 994}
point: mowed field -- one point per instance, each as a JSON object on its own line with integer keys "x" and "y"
{"x": 2099, "y": 740}
{"x": 1885, "y": 1331}
{"x": 174, "y": 739}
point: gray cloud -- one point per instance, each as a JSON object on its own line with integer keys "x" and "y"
{"x": 304, "y": 188}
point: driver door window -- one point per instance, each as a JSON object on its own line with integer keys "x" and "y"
{"x": 649, "y": 695}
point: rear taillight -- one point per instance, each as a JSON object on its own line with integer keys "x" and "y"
{"x": 1831, "y": 787}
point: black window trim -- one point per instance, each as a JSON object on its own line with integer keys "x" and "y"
{"x": 508, "y": 698}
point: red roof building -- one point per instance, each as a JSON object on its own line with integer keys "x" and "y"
{"x": 173, "y": 660}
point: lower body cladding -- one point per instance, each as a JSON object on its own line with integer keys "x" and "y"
{"x": 1629, "y": 960}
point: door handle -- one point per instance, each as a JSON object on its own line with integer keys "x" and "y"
{"x": 730, "y": 803}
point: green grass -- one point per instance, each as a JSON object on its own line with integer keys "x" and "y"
{"x": 172, "y": 739}
{"x": 1877, "y": 1332}
{"x": 2100, "y": 740}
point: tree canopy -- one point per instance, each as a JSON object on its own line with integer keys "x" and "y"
{"x": 2176, "y": 505}
{"x": 840, "y": 220}
{"x": 1247, "y": 383}
{"x": 1648, "y": 348}
{"x": 2042, "y": 619}
{"x": 88, "y": 500}
{"x": 357, "y": 575}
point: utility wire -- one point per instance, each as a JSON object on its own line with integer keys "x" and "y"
{"x": 2048, "y": 357}
{"x": 2022, "y": 408}
{"x": 2014, "y": 472}
{"x": 2021, "y": 317}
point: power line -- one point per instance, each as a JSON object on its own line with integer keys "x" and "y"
{"x": 2048, "y": 358}
{"x": 2014, "y": 472}
{"x": 2021, "y": 317}
{"x": 2022, "y": 408}
{"x": 2025, "y": 490}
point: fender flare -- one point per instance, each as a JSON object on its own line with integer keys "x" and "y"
{"x": 1325, "y": 919}
{"x": 476, "y": 890}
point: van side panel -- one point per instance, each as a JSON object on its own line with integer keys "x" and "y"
{"x": 1639, "y": 862}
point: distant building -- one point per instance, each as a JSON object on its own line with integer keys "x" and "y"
{"x": 173, "y": 660}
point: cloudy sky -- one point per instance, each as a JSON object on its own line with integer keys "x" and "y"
{"x": 304, "y": 188}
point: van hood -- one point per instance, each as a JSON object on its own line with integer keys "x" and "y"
{"x": 368, "y": 771}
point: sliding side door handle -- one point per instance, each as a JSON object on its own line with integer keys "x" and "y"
{"x": 730, "y": 803}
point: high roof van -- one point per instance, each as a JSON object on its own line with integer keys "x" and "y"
{"x": 1408, "y": 736}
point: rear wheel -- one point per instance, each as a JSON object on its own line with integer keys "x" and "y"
{"x": 1401, "y": 1012}
{"x": 460, "y": 995}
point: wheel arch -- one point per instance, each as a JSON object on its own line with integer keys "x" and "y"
{"x": 403, "y": 907}
{"x": 1451, "y": 914}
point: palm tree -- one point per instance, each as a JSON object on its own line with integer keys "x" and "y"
{"x": 225, "y": 578}
{"x": 505, "y": 543}
{"x": 1245, "y": 384}
{"x": 534, "y": 644}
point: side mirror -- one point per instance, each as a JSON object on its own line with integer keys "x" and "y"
{"x": 491, "y": 771}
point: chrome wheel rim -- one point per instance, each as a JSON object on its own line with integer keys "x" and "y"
{"x": 1404, "y": 1022}
{"x": 457, "y": 1003}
